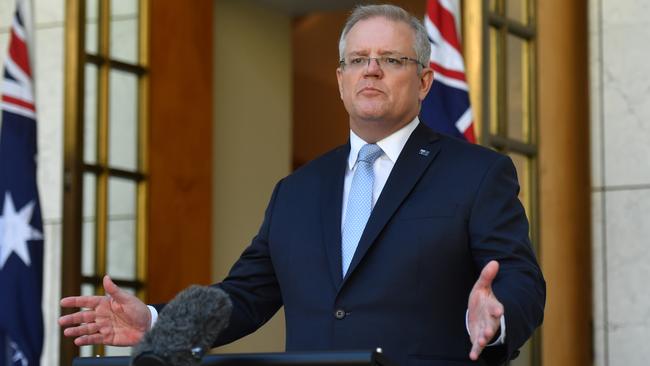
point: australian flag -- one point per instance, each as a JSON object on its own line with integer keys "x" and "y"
{"x": 21, "y": 227}
{"x": 446, "y": 108}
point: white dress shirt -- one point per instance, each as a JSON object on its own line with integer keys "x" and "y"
{"x": 391, "y": 146}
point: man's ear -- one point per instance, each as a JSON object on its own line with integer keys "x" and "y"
{"x": 426, "y": 79}
{"x": 339, "y": 76}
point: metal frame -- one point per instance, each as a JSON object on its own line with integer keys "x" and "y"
{"x": 72, "y": 157}
{"x": 75, "y": 167}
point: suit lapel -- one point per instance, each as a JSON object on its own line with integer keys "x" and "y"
{"x": 331, "y": 207}
{"x": 415, "y": 157}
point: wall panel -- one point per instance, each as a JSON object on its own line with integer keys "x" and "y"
{"x": 180, "y": 146}
{"x": 565, "y": 240}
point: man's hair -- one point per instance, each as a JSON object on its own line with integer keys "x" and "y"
{"x": 421, "y": 44}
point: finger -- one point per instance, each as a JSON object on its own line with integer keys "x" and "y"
{"x": 476, "y": 351}
{"x": 81, "y": 301}
{"x": 82, "y": 330}
{"x": 488, "y": 333}
{"x": 113, "y": 290}
{"x": 488, "y": 274}
{"x": 87, "y": 316}
{"x": 478, "y": 345}
{"x": 496, "y": 309}
{"x": 89, "y": 339}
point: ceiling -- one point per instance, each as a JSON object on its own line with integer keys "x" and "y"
{"x": 301, "y": 7}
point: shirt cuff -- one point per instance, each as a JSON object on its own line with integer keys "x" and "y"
{"x": 154, "y": 315}
{"x": 502, "y": 337}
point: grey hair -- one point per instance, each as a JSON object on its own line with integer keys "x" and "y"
{"x": 421, "y": 45}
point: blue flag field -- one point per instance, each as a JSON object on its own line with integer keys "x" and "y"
{"x": 21, "y": 227}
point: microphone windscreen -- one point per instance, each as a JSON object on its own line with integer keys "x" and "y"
{"x": 186, "y": 328}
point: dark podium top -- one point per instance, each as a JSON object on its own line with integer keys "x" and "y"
{"x": 331, "y": 358}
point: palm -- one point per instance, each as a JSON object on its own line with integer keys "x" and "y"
{"x": 119, "y": 319}
{"x": 117, "y": 323}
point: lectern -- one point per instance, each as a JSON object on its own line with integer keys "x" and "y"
{"x": 330, "y": 358}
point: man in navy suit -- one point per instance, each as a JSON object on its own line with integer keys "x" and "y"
{"x": 403, "y": 238}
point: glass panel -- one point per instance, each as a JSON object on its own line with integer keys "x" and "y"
{"x": 88, "y": 225}
{"x": 92, "y": 35}
{"x": 123, "y": 127}
{"x": 522, "y": 164}
{"x": 90, "y": 115}
{"x": 88, "y": 250}
{"x": 121, "y": 251}
{"x": 527, "y": 92}
{"x": 86, "y": 351}
{"x": 124, "y": 7}
{"x": 124, "y": 30}
{"x": 87, "y": 290}
{"x": 117, "y": 351}
{"x": 517, "y": 10}
{"x": 493, "y": 5}
{"x": 516, "y": 95}
{"x": 494, "y": 81}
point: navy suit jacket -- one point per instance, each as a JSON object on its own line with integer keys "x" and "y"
{"x": 447, "y": 209}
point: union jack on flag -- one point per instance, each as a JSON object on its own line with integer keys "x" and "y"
{"x": 21, "y": 226}
{"x": 446, "y": 108}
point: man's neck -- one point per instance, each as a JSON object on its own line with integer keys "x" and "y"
{"x": 372, "y": 131}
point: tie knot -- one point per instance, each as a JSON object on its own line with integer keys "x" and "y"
{"x": 369, "y": 153}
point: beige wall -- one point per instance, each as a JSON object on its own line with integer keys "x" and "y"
{"x": 252, "y": 135}
{"x": 620, "y": 180}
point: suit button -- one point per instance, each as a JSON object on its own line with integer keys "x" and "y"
{"x": 515, "y": 354}
{"x": 339, "y": 314}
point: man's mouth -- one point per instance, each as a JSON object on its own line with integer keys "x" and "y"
{"x": 368, "y": 90}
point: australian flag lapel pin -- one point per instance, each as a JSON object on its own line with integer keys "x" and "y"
{"x": 424, "y": 152}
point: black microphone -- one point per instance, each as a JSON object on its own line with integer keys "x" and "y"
{"x": 186, "y": 328}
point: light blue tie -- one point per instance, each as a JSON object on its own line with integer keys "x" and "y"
{"x": 359, "y": 203}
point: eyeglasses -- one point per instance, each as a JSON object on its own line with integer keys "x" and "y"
{"x": 385, "y": 62}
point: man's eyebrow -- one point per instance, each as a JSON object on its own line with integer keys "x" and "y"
{"x": 381, "y": 53}
{"x": 391, "y": 52}
{"x": 358, "y": 53}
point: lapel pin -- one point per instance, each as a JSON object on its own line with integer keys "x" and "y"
{"x": 424, "y": 152}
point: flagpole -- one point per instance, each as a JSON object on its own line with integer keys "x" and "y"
{"x": 29, "y": 38}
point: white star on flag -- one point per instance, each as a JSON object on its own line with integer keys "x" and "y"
{"x": 15, "y": 231}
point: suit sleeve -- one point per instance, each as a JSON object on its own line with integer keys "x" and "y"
{"x": 499, "y": 231}
{"x": 252, "y": 285}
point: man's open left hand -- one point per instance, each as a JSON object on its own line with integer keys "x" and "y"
{"x": 484, "y": 310}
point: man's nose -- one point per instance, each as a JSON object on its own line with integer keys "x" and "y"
{"x": 373, "y": 68}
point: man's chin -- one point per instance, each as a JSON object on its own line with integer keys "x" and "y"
{"x": 371, "y": 118}
{"x": 372, "y": 114}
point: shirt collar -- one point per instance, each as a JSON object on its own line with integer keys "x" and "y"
{"x": 391, "y": 145}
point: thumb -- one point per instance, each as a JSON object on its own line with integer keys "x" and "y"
{"x": 488, "y": 274}
{"x": 113, "y": 290}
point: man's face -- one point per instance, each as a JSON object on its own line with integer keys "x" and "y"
{"x": 379, "y": 99}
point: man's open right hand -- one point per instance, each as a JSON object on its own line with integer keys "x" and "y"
{"x": 117, "y": 319}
